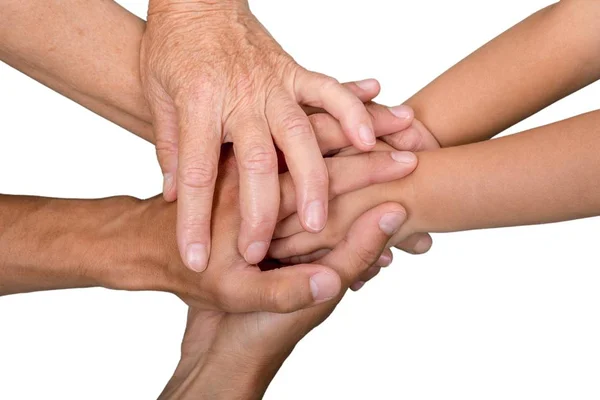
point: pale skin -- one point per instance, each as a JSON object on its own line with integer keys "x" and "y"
{"x": 105, "y": 40}
{"x": 213, "y": 74}
{"x": 210, "y": 73}
{"x": 544, "y": 175}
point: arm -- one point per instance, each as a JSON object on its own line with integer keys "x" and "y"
{"x": 548, "y": 174}
{"x": 48, "y": 244}
{"x": 548, "y": 56}
{"x": 85, "y": 50}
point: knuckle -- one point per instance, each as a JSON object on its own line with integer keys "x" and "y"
{"x": 317, "y": 177}
{"x": 297, "y": 127}
{"x": 327, "y": 83}
{"x": 259, "y": 159}
{"x": 279, "y": 299}
{"x": 200, "y": 175}
{"x": 364, "y": 257}
{"x": 320, "y": 122}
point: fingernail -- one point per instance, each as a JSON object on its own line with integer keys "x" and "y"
{"x": 255, "y": 253}
{"x": 384, "y": 261}
{"x": 324, "y": 286}
{"x": 367, "y": 84}
{"x": 366, "y": 135}
{"x": 167, "y": 182}
{"x": 197, "y": 257}
{"x": 422, "y": 246}
{"x": 402, "y": 112}
{"x": 357, "y": 286}
{"x": 390, "y": 223}
{"x": 404, "y": 157}
{"x": 315, "y": 216}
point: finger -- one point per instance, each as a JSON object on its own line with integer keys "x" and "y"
{"x": 386, "y": 121}
{"x": 419, "y": 243}
{"x": 365, "y": 241}
{"x": 366, "y": 90}
{"x": 305, "y": 259}
{"x": 347, "y": 174}
{"x": 415, "y": 138}
{"x": 198, "y": 167}
{"x": 366, "y": 277}
{"x": 259, "y": 185}
{"x": 294, "y": 136}
{"x": 386, "y": 259}
{"x": 280, "y": 290}
{"x": 166, "y": 131}
{"x": 322, "y": 91}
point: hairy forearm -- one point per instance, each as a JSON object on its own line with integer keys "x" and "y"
{"x": 48, "y": 244}
{"x": 549, "y": 55}
{"x": 548, "y": 174}
{"x": 85, "y": 50}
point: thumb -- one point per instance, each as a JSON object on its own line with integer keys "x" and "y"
{"x": 281, "y": 290}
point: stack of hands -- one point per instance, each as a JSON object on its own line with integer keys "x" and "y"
{"x": 282, "y": 187}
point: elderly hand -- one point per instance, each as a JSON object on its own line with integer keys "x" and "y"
{"x": 212, "y": 74}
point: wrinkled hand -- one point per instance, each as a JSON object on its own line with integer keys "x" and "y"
{"x": 213, "y": 74}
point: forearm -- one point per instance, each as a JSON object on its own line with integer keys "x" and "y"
{"x": 213, "y": 374}
{"x": 48, "y": 244}
{"x": 549, "y": 55}
{"x": 548, "y": 174}
{"x": 85, "y": 50}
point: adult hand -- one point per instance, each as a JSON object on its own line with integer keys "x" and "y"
{"x": 212, "y": 74}
{"x": 231, "y": 284}
{"x": 227, "y": 355}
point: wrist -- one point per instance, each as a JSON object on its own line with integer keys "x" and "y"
{"x": 135, "y": 245}
{"x": 166, "y": 6}
{"x": 221, "y": 377}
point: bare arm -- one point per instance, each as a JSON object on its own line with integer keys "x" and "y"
{"x": 48, "y": 244}
{"x": 548, "y": 174}
{"x": 86, "y": 50}
{"x": 548, "y": 56}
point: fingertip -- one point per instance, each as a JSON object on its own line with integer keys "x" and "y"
{"x": 324, "y": 286}
{"x": 315, "y": 216}
{"x": 423, "y": 245}
{"x": 256, "y": 252}
{"x": 196, "y": 257}
{"x": 404, "y": 157}
{"x": 366, "y": 136}
{"x": 390, "y": 222}
{"x": 385, "y": 259}
{"x": 169, "y": 187}
{"x": 370, "y": 85}
{"x": 403, "y": 112}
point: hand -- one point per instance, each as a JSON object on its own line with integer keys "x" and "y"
{"x": 231, "y": 284}
{"x": 228, "y": 355}
{"x": 212, "y": 74}
{"x": 414, "y": 138}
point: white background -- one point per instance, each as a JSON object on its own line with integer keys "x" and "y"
{"x": 507, "y": 313}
